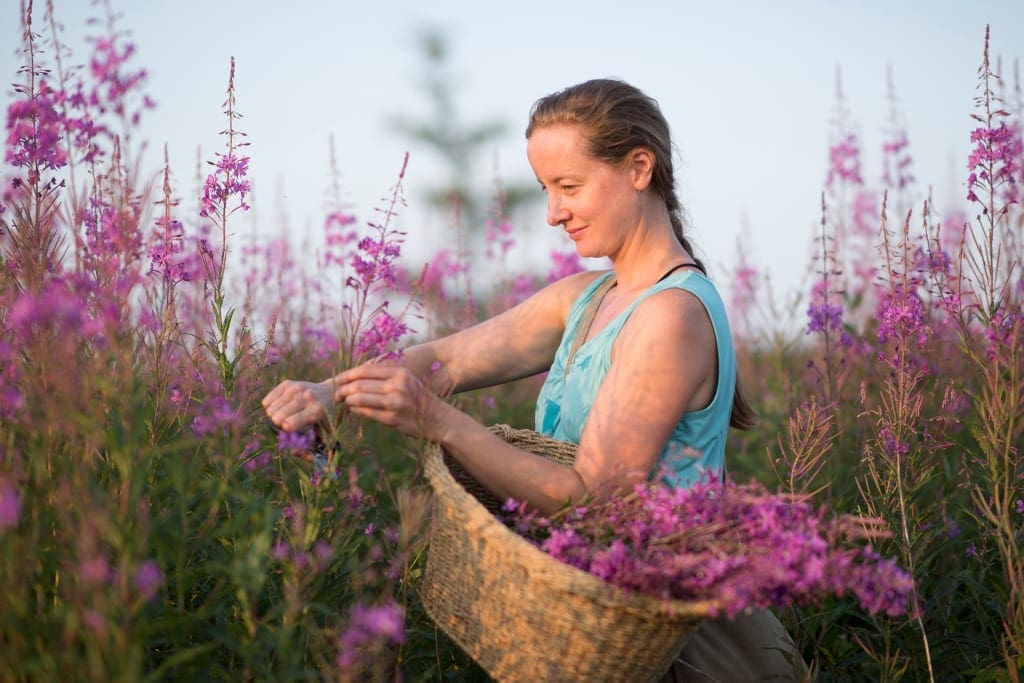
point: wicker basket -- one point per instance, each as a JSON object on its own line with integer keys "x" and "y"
{"x": 524, "y": 616}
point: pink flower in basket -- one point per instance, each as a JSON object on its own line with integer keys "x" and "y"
{"x": 734, "y": 545}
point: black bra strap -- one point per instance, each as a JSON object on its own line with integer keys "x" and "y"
{"x": 677, "y": 267}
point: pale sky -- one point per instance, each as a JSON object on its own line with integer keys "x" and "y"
{"x": 747, "y": 87}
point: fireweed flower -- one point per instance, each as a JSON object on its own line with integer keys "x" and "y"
{"x": 376, "y": 262}
{"x": 227, "y": 181}
{"x": 167, "y": 256}
{"x": 444, "y": 266}
{"x": 55, "y": 307}
{"x": 736, "y": 545}
{"x": 340, "y": 234}
{"x": 822, "y": 315}
{"x": 114, "y": 83}
{"x": 743, "y": 288}
{"x": 112, "y": 234}
{"x": 564, "y": 264}
{"x": 370, "y": 630}
{"x": 95, "y": 570}
{"x": 901, "y": 316}
{"x": 865, "y": 213}
{"x": 994, "y": 160}
{"x": 217, "y": 415}
{"x": 325, "y": 343}
{"x": 10, "y": 505}
{"x": 34, "y": 132}
{"x": 382, "y": 333}
{"x": 253, "y": 459}
{"x": 296, "y": 442}
{"x": 896, "y": 162}
{"x": 148, "y": 578}
{"x": 844, "y": 162}
{"x": 500, "y": 235}
{"x": 1002, "y": 333}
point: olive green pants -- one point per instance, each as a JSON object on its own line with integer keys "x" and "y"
{"x": 751, "y": 647}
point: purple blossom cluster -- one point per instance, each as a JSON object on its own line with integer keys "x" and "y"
{"x": 844, "y": 162}
{"x": 498, "y": 238}
{"x": 370, "y": 630}
{"x": 744, "y": 292}
{"x": 340, "y": 233}
{"x": 1003, "y": 334}
{"x": 375, "y": 261}
{"x": 564, "y": 264}
{"x": 444, "y": 266}
{"x": 995, "y": 159}
{"x": 34, "y": 132}
{"x": 50, "y": 122}
{"x": 823, "y": 316}
{"x": 217, "y": 416}
{"x": 114, "y": 83}
{"x": 166, "y": 255}
{"x": 896, "y": 162}
{"x": 10, "y": 505}
{"x": 294, "y": 443}
{"x": 95, "y": 570}
{"x": 59, "y": 308}
{"x": 901, "y": 316}
{"x": 382, "y": 332}
{"x": 112, "y": 233}
{"x": 317, "y": 559}
{"x": 735, "y": 545}
{"x": 227, "y": 181}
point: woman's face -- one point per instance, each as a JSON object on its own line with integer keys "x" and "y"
{"x": 594, "y": 202}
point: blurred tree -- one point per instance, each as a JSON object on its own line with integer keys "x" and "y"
{"x": 458, "y": 144}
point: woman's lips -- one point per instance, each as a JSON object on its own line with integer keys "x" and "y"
{"x": 575, "y": 233}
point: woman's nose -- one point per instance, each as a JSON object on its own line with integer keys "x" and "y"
{"x": 557, "y": 214}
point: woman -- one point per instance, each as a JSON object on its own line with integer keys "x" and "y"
{"x": 651, "y": 389}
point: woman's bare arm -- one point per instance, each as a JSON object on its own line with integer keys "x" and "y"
{"x": 514, "y": 344}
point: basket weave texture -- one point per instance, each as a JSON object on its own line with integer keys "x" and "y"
{"x": 525, "y": 616}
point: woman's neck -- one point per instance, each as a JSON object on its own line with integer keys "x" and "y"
{"x": 646, "y": 256}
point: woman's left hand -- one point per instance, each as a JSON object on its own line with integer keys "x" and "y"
{"x": 392, "y": 395}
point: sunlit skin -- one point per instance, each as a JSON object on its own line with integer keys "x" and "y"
{"x": 663, "y": 360}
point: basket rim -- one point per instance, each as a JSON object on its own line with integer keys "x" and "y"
{"x": 542, "y": 566}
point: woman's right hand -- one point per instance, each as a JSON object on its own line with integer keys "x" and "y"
{"x": 293, "y": 405}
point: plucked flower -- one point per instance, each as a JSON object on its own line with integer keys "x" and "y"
{"x": 735, "y": 545}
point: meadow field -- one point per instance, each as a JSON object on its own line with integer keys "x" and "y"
{"x": 155, "y": 526}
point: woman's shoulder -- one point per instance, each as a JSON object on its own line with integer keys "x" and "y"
{"x": 567, "y": 290}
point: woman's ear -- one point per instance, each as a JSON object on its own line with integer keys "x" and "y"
{"x": 641, "y": 166}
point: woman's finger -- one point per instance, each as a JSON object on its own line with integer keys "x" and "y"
{"x": 372, "y": 370}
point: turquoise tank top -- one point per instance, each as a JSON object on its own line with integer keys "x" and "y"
{"x": 697, "y": 444}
